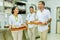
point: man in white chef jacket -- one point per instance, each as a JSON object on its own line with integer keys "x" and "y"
{"x": 30, "y": 22}
{"x": 43, "y": 19}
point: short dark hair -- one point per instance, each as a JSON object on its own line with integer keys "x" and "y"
{"x": 31, "y": 7}
{"x": 42, "y": 2}
{"x": 13, "y": 9}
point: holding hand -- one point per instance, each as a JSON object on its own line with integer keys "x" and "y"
{"x": 44, "y": 23}
{"x": 31, "y": 22}
{"x": 41, "y": 23}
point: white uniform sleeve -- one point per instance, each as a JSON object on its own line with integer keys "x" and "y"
{"x": 10, "y": 21}
{"x": 21, "y": 20}
{"x": 48, "y": 14}
{"x": 36, "y": 18}
{"x": 27, "y": 18}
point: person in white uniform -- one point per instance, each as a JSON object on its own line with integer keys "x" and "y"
{"x": 30, "y": 22}
{"x": 15, "y": 21}
{"x": 43, "y": 18}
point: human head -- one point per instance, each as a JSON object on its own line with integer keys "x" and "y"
{"x": 41, "y": 4}
{"x": 15, "y": 10}
{"x": 31, "y": 9}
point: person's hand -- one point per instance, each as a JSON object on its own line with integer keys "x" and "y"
{"x": 44, "y": 23}
{"x": 13, "y": 26}
{"x": 31, "y": 22}
{"x": 28, "y": 22}
{"x": 22, "y": 25}
{"x": 39, "y": 22}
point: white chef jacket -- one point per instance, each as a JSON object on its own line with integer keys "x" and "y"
{"x": 12, "y": 20}
{"x": 43, "y": 16}
{"x": 31, "y": 17}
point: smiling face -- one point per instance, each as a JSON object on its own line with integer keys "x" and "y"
{"x": 16, "y": 11}
{"x": 31, "y": 10}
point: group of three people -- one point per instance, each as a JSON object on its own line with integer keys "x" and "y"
{"x": 41, "y": 18}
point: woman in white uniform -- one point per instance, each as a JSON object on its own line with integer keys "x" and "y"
{"x": 15, "y": 21}
{"x": 43, "y": 18}
{"x": 30, "y": 22}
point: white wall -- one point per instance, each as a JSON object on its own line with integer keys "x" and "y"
{"x": 53, "y": 4}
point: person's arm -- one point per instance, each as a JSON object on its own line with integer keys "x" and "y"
{"x": 49, "y": 20}
{"x": 45, "y": 23}
{"x": 21, "y": 21}
{"x": 48, "y": 17}
{"x": 27, "y": 20}
{"x": 10, "y": 22}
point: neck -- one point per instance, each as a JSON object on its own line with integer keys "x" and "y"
{"x": 41, "y": 9}
{"x": 31, "y": 12}
{"x": 15, "y": 14}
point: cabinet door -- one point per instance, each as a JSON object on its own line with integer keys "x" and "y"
{"x": 58, "y": 27}
{"x": 58, "y": 13}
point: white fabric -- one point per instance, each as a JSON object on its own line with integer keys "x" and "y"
{"x": 43, "y": 16}
{"x": 30, "y": 17}
{"x": 17, "y": 35}
{"x": 12, "y": 20}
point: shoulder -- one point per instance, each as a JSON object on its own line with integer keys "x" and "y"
{"x": 46, "y": 10}
{"x": 28, "y": 14}
{"x": 38, "y": 10}
{"x": 19, "y": 15}
{"x": 10, "y": 16}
